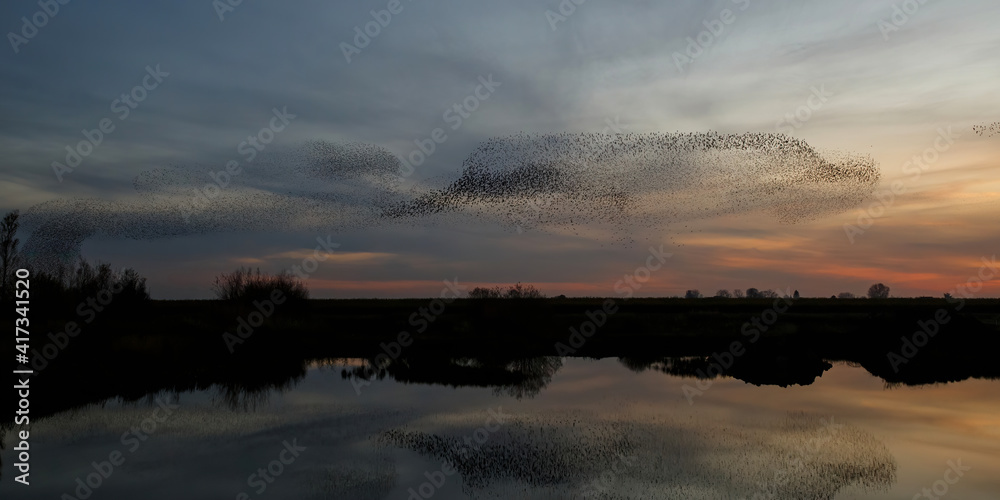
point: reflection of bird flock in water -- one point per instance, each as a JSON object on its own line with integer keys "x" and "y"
{"x": 572, "y": 455}
{"x": 625, "y": 182}
{"x": 987, "y": 130}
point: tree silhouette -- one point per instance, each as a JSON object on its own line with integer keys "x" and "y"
{"x": 244, "y": 286}
{"x": 723, "y": 294}
{"x": 795, "y": 295}
{"x": 692, "y": 294}
{"x": 481, "y": 292}
{"x": 517, "y": 291}
{"x": 520, "y": 291}
{"x": 738, "y": 293}
{"x": 845, "y": 295}
{"x": 753, "y": 293}
{"x": 878, "y": 291}
{"x": 8, "y": 249}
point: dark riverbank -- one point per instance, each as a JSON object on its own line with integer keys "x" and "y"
{"x": 181, "y": 345}
{"x": 535, "y": 323}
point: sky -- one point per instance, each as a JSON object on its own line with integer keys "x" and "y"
{"x": 877, "y": 79}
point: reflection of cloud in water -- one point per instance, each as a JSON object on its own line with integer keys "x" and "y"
{"x": 367, "y": 478}
{"x": 322, "y": 423}
{"x": 560, "y": 455}
{"x": 224, "y": 446}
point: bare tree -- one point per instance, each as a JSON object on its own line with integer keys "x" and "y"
{"x": 244, "y": 285}
{"x": 8, "y": 248}
{"x": 520, "y": 291}
{"x": 738, "y": 293}
{"x": 692, "y": 294}
{"x": 517, "y": 291}
{"x": 878, "y": 291}
{"x": 481, "y": 292}
{"x": 723, "y": 294}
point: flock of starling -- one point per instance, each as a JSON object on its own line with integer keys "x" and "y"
{"x": 987, "y": 130}
{"x": 568, "y": 181}
{"x": 635, "y": 181}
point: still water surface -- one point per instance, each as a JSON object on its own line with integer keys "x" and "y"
{"x": 575, "y": 428}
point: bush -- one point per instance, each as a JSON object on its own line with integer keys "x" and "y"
{"x": 245, "y": 285}
{"x": 66, "y": 287}
{"x": 517, "y": 291}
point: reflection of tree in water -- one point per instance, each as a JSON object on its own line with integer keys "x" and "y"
{"x": 3, "y": 438}
{"x": 519, "y": 378}
{"x": 536, "y": 374}
{"x": 760, "y": 367}
{"x": 241, "y": 397}
{"x": 252, "y": 389}
{"x": 688, "y": 366}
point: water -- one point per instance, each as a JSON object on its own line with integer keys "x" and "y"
{"x": 542, "y": 428}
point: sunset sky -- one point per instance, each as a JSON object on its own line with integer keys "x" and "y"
{"x": 881, "y": 82}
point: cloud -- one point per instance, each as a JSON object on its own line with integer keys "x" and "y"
{"x": 633, "y": 182}
{"x": 339, "y": 257}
